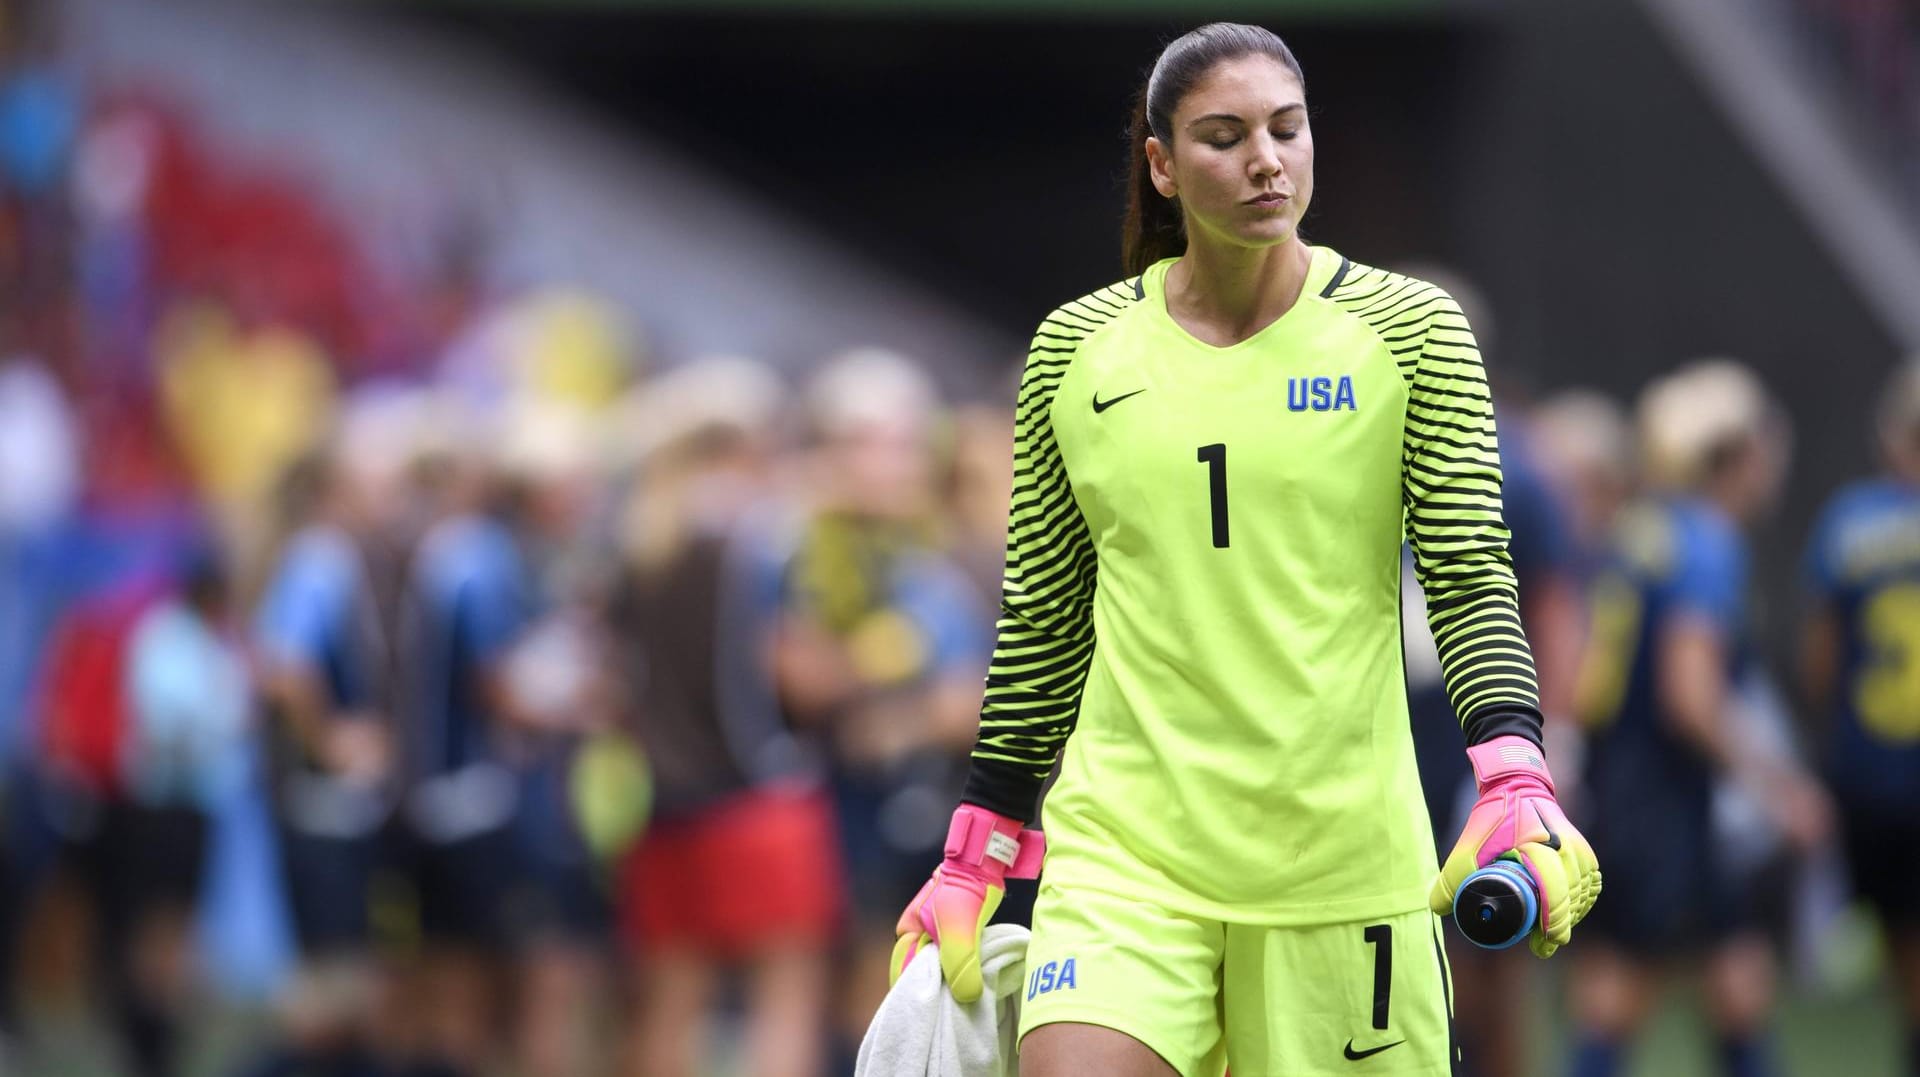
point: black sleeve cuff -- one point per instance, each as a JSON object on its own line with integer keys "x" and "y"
{"x": 1505, "y": 721}
{"x": 1004, "y": 788}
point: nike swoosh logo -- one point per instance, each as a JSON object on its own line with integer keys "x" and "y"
{"x": 1553, "y": 839}
{"x": 1355, "y": 1056}
{"x": 1100, "y": 405}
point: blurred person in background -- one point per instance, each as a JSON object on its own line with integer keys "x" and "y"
{"x": 468, "y": 599}
{"x": 39, "y": 480}
{"x": 554, "y": 693}
{"x": 980, "y": 481}
{"x": 501, "y": 658}
{"x": 883, "y": 645}
{"x": 189, "y": 700}
{"x": 1585, "y": 453}
{"x": 100, "y": 576}
{"x": 323, "y": 659}
{"x": 1669, "y": 645}
{"x": 1860, "y": 668}
{"x": 738, "y": 872}
{"x": 1586, "y": 450}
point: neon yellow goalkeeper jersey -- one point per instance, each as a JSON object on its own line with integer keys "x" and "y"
{"x": 1202, "y": 595}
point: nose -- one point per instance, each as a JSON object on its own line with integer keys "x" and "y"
{"x": 1266, "y": 156}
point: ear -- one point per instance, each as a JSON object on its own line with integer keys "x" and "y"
{"x": 1160, "y": 168}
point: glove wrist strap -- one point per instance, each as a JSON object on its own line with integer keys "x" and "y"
{"x": 994, "y": 843}
{"x": 1507, "y": 758}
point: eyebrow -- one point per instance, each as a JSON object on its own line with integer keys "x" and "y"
{"x": 1235, "y": 119}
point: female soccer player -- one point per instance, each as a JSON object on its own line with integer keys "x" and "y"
{"x": 1669, "y": 652}
{"x": 1860, "y": 664}
{"x": 1216, "y": 459}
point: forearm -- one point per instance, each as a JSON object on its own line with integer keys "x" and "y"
{"x": 1693, "y": 693}
{"x": 1707, "y": 732}
{"x": 299, "y": 706}
{"x": 1003, "y": 788}
{"x": 1451, "y": 486}
{"x": 1485, "y": 656}
{"x": 1045, "y": 631}
{"x": 1031, "y": 704}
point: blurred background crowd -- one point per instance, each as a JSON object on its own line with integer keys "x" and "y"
{"x": 511, "y": 610}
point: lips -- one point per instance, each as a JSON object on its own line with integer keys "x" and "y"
{"x": 1270, "y": 200}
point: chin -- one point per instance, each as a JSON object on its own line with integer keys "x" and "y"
{"x": 1269, "y": 233}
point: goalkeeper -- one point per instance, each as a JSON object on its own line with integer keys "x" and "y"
{"x": 1215, "y": 463}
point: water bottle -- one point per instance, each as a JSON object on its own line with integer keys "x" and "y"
{"x": 1497, "y": 905}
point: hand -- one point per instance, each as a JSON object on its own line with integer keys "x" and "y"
{"x": 1799, "y": 807}
{"x": 357, "y": 748}
{"x": 984, "y": 850}
{"x": 1517, "y": 813}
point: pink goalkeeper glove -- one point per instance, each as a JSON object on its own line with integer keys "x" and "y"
{"x": 984, "y": 850}
{"x": 1518, "y": 814}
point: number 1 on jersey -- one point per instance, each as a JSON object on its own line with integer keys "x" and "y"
{"x": 1380, "y": 937}
{"x": 1215, "y": 457}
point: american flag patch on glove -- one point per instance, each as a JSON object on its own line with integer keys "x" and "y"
{"x": 1520, "y": 756}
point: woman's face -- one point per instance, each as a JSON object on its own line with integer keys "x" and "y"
{"x": 885, "y": 468}
{"x": 1241, "y": 161}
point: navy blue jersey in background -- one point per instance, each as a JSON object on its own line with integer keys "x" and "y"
{"x": 1863, "y": 565}
{"x": 472, "y": 599}
{"x": 1650, "y": 791}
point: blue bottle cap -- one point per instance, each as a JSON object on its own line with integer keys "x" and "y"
{"x": 1496, "y": 906}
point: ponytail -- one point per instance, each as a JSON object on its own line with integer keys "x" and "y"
{"x": 1154, "y": 227}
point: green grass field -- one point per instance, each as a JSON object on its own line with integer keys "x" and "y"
{"x": 1851, "y": 1034}
{"x": 1845, "y": 1035}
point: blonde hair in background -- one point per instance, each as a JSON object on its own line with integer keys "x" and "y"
{"x": 1689, "y": 419}
{"x": 1585, "y": 432}
{"x": 671, "y": 430}
{"x": 869, "y": 387}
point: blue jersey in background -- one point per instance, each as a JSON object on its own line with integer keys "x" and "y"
{"x": 1670, "y": 887}
{"x": 1864, "y": 567}
{"x": 1669, "y": 560}
{"x": 318, "y": 615}
{"x": 472, "y": 598}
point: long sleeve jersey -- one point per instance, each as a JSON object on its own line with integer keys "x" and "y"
{"x": 1201, "y": 603}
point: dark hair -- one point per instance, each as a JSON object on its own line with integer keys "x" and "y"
{"x": 1153, "y": 229}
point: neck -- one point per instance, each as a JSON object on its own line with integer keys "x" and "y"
{"x": 1726, "y": 498}
{"x": 1237, "y": 290}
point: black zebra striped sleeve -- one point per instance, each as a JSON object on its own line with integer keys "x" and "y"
{"x": 1451, "y": 488}
{"x": 1045, "y": 637}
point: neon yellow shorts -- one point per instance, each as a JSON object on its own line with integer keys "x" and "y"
{"x": 1363, "y": 999}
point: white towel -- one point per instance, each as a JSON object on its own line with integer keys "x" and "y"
{"x": 921, "y": 1031}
